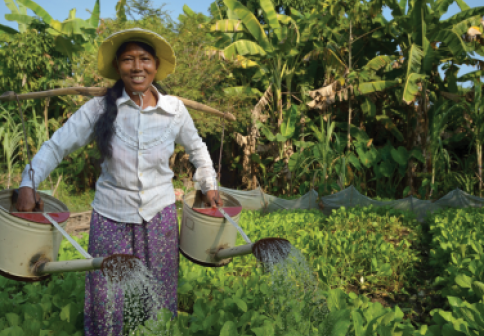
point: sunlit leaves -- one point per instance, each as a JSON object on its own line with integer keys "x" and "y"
{"x": 243, "y": 48}
{"x": 121, "y": 10}
{"x": 270, "y": 15}
{"x": 38, "y": 10}
{"x": 379, "y": 63}
{"x": 228, "y": 26}
{"x": 250, "y": 22}
{"x": 412, "y": 87}
{"x": 370, "y": 87}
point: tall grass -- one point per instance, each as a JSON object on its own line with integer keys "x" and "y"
{"x": 10, "y": 136}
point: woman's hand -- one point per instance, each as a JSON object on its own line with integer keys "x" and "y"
{"x": 26, "y": 201}
{"x": 212, "y": 199}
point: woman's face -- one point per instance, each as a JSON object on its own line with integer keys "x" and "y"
{"x": 137, "y": 68}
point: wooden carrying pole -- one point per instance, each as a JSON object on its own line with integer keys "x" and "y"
{"x": 100, "y": 91}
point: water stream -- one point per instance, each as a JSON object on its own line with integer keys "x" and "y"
{"x": 294, "y": 290}
{"x": 293, "y": 294}
{"x": 133, "y": 281}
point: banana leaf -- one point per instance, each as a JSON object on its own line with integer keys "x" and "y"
{"x": 451, "y": 37}
{"x": 20, "y": 18}
{"x": 245, "y": 63}
{"x": 12, "y": 6}
{"x": 414, "y": 65}
{"x": 390, "y": 126}
{"x": 242, "y": 90}
{"x": 215, "y": 11}
{"x": 21, "y": 9}
{"x": 243, "y": 48}
{"x": 228, "y": 26}
{"x": 270, "y": 16}
{"x": 120, "y": 11}
{"x": 8, "y": 30}
{"x": 38, "y": 10}
{"x": 411, "y": 87}
{"x": 266, "y": 131}
{"x": 368, "y": 108}
{"x": 288, "y": 127}
{"x": 251, "y": 23}
{"x": 188, "y": 11}
{"x": 379, "y": 62}
{"x": 463, "y": 16}
{"x": 96, "y": 12}
{"x": 462, "y": 5}
{"x": 370, "y": 87}
{"x": 441, "y": 6}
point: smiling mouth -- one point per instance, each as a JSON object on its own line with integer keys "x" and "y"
{"x": 138, "y": 79}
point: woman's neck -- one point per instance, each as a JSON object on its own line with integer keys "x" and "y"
{"x": 149, "y": 98}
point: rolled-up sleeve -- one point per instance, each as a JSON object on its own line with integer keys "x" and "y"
{"x": 197, "y": 150}
{"x": 77, "y": 132}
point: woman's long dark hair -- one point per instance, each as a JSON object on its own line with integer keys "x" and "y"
{"x": 104, "y": 127}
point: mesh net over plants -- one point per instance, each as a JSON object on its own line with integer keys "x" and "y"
{"x": 350, "y": 197}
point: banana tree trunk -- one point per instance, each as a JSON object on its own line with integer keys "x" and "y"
{"x": 278, "y": 93}
{"x": 425, "y": 137}
{"x": 244, "y": 142}
{"x": 432, "y": 183}
{"x": 252, "y": 145}
{"x": 349, "y": 96}
{"x": 289, "y": 150}
{"x": 411, "y": 143}
{"x": 479, "y": 168}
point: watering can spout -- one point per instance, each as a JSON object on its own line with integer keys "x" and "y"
{"x": 265, "y": 250}
{"x": 43, "y": 266}
{"x": 233, "y": 252}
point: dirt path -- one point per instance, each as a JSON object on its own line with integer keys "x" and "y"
{"x": 78, "y": 223}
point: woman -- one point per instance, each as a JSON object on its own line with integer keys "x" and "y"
{"x": 135, "y": 128}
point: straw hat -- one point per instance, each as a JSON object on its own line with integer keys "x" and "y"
{"x": 107, "y": 52}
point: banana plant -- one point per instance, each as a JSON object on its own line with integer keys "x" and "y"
{"x": 274, "y": 49}
{"x": 420, "y": 30}
{"x": 283, "y": 140}
{"x": 285, "y": 133}
{"x": 18, "y": 10}
{"x": 71, "y": 35}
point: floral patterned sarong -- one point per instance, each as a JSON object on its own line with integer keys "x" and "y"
{"x": 155, "y": 243}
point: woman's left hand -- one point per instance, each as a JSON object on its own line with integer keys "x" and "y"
{"x": 212, "y": 199}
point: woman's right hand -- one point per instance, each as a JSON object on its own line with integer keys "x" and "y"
{"x": 26, "y": 201}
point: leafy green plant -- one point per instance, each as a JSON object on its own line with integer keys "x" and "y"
{"x": 321, "y": 157}
{"x": 11, "y": 136}
{"x": 457, "y": 251}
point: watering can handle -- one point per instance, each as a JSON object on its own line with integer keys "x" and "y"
{"x": 69, "y": 238}
{"x": 242, "y": 233}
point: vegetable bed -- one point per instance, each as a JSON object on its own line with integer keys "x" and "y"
{"x": 365, "y": 260}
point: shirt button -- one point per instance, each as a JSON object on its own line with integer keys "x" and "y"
{"x": 143, "y": 192}
{"x": 140, "y": 209}
{"x": 140, "y": 132}
{"x": 140, "y": 174}
{"x": 139, "y": 153}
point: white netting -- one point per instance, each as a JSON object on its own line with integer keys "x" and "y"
{"x": 350, "y": 197}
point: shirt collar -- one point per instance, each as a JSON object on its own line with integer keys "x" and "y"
{"x": 164, "y": 103}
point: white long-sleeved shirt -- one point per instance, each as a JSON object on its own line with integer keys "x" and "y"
{"x": 135, "y": 184}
